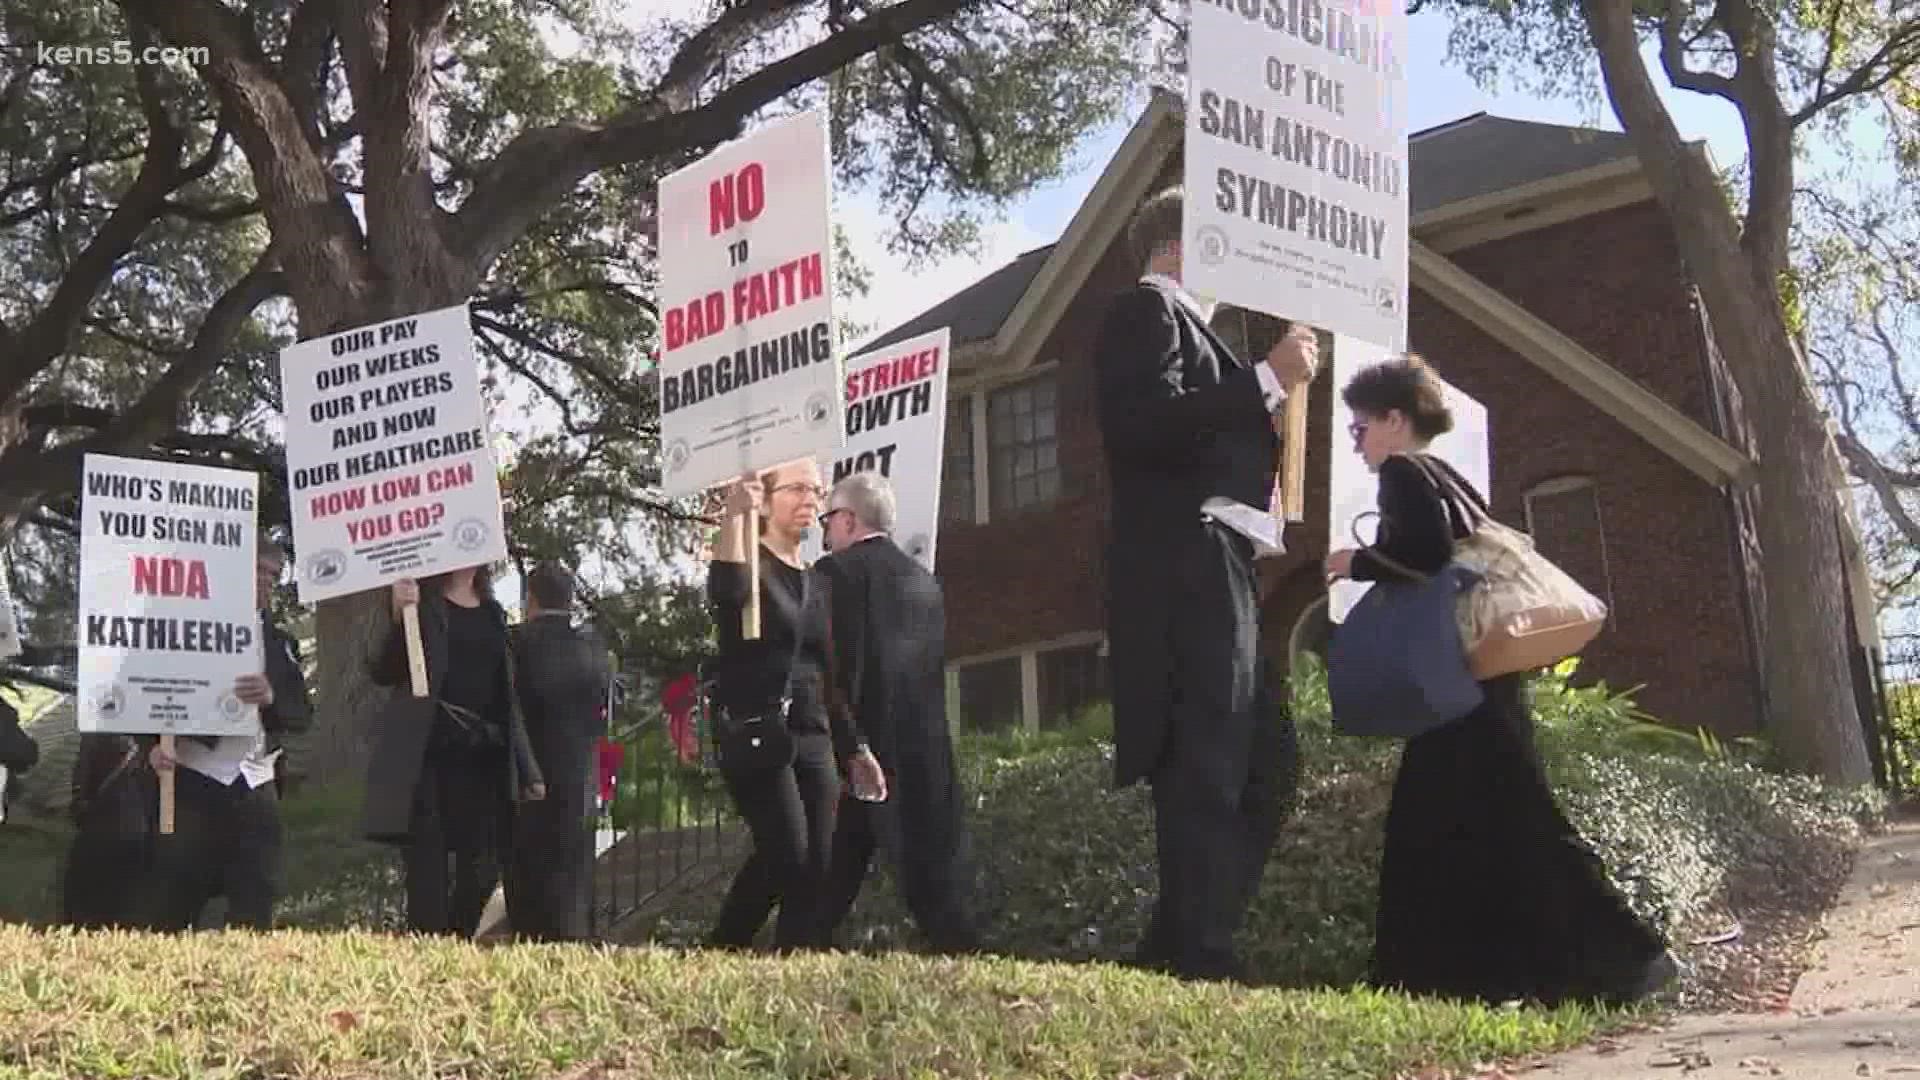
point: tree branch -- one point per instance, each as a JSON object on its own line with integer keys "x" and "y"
{"x": 1895, "y": 56}
{"x": 322, "y": 249}
{"x": 541, "y": 166}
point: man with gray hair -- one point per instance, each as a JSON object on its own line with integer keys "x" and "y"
{"x": 888, "y": 695}
{"x": 1192, "y": 453}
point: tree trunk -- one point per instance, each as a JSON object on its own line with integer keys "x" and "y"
{"x": 1811, "y": 715}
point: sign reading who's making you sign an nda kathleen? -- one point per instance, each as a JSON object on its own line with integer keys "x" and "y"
{"x": 748, "y": 377}
{"x": 391, "y": 468}
{"x": 168, "y": 619}
{"x": 1296, "y": 171}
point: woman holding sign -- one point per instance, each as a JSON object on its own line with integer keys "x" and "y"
{"x": 770, "y": 711}
{"x": 447, "y": 768}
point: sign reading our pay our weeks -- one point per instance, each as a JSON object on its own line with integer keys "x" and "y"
{"x": 1296, "y": 162}
{"x": 748, "y": 375}
{"x": 391, "y": 471}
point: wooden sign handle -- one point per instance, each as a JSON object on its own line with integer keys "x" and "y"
{"x": 1293, "y": 478}
{"x": 416, "y": 653}
{"x": 750, "y": 543}
{"x": 166, "y": 787}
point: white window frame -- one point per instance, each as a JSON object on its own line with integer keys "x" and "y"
{"x": 1567, "y": 485}
{"x": 977, "y": 390}
{"x": 1029, "y": 655}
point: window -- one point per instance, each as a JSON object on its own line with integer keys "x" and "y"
{"x": 990, "y": 695}
{"x": 956, "y": 463}
{"x": 1022, "y": 446}
{"x": 1564, "y": 517}
{"x": 1071, "y": 679}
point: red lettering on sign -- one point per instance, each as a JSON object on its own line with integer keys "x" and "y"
{"x": 790, "y": 283}
{"x": 155, "y": 575}
{"x": 736, "y": 198}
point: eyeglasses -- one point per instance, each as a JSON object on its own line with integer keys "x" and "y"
{"x": 801, "y": 487}
{"x": 827, "y": 518}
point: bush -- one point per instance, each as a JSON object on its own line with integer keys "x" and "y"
{"x": 1066, "y": 865}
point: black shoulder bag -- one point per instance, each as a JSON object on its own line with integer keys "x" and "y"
{"x": 762, "y": 742}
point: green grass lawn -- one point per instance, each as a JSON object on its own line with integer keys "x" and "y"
{"x": 362, "y": 1006}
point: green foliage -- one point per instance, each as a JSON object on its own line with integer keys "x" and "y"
{"x": 1066, "y": 864}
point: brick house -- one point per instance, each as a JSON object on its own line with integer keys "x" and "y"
{"x": 1546, "y": 284}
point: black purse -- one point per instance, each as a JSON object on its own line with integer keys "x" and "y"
{"x": 762, "y": 742}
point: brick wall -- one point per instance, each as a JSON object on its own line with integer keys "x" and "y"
{"x": 1611, "y": 282}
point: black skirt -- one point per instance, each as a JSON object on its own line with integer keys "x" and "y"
{"x": 1486, "y": 889}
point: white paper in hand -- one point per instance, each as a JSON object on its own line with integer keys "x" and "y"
{"x": 1256, "y": 525}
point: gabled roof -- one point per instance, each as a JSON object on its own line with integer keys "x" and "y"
{"x": 975, "y": 312}
{"x": 1483, "y": 154}
{"x": 1453, "y": 163}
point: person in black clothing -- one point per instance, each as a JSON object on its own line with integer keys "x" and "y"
{"x": 890, "y": 659}
{"x": 1189, "y": 432}
{"x": 448, "y": 768}
{"x": 787, "y": 802}
{"x": 226, "y": 839}
{"x": 1486, "y": 890}
{"x": 18, "y": 751}
{"x": 107, "y": 881}
{"x": 562, "y": 673}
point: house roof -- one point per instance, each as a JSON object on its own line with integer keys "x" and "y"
{"x": 975, "y": 312}
{"x": 1452, "y": 163}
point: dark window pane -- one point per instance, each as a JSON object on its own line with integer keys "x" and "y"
{"x": 990, "y": 695}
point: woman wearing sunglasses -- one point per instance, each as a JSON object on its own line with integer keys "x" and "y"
{"x": 769, "y": 708}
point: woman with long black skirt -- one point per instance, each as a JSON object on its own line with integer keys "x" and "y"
{"x": 776, "y": 752}
{"x": 1486, "y": 890}
{"x": 447, "y": 769}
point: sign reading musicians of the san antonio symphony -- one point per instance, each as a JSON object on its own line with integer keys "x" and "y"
{"x": 391, "y": 470}
{"x": 1296, "y": 169}
{"x": 168, "y": 618}
{"x": 748, "y": 377}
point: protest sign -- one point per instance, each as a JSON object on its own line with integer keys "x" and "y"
{"x": 1354, "y": 490}
{"x": 9, "y": 629}
{"x": 748, "y": 377}
{"x": 167, "y": 618}
{"x": 1296, "y": 174}
{"x": 896, "y": 405}
{"x": 389, "y": 463}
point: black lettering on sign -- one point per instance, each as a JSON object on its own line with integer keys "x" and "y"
{"x": 880, "y": 461}
{"x": 744, "y": 367}
{"x": 151, "y": 634}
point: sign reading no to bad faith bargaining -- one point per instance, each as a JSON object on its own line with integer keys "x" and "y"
{"x": 748, "y": 377}
{"x": 168, "y": 612}
{"x": 896, "y": 399}
{"x": 1296, "y": 163}
{"x": 390, "y": 470}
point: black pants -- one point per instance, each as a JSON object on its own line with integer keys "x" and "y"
{"x": 930, "y": 880}
{"x": 109, "y": 878}
{"x": 1486, "y": 890}
{"x": 462, "y": 819}
{"x": 789, "y": 812}
{"x": 1231, "y": 760}
{"x": 226, "y": 841}
{"x": 550, "y": 877}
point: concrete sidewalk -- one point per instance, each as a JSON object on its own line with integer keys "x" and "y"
{"x": 1855, "y": 1013}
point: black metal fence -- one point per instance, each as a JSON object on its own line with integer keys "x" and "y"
{"x": 665, "y": 821}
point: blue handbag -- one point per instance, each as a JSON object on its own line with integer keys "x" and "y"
{"x": 1396, "y": 665}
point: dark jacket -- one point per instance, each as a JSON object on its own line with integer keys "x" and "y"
{"x": 889, "y": 675}
{"x": 406, "y": 723}
{"x": 18, "y": 751}
{"x": 562, "y": 677}
{"x": 1182, "y": 420}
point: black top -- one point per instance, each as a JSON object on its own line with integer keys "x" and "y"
{"x": 1418, "y": 524}
{"x": 1182, "y": 419}
{"x": 750, "y": 677}
{"x": 477, "y": 655}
